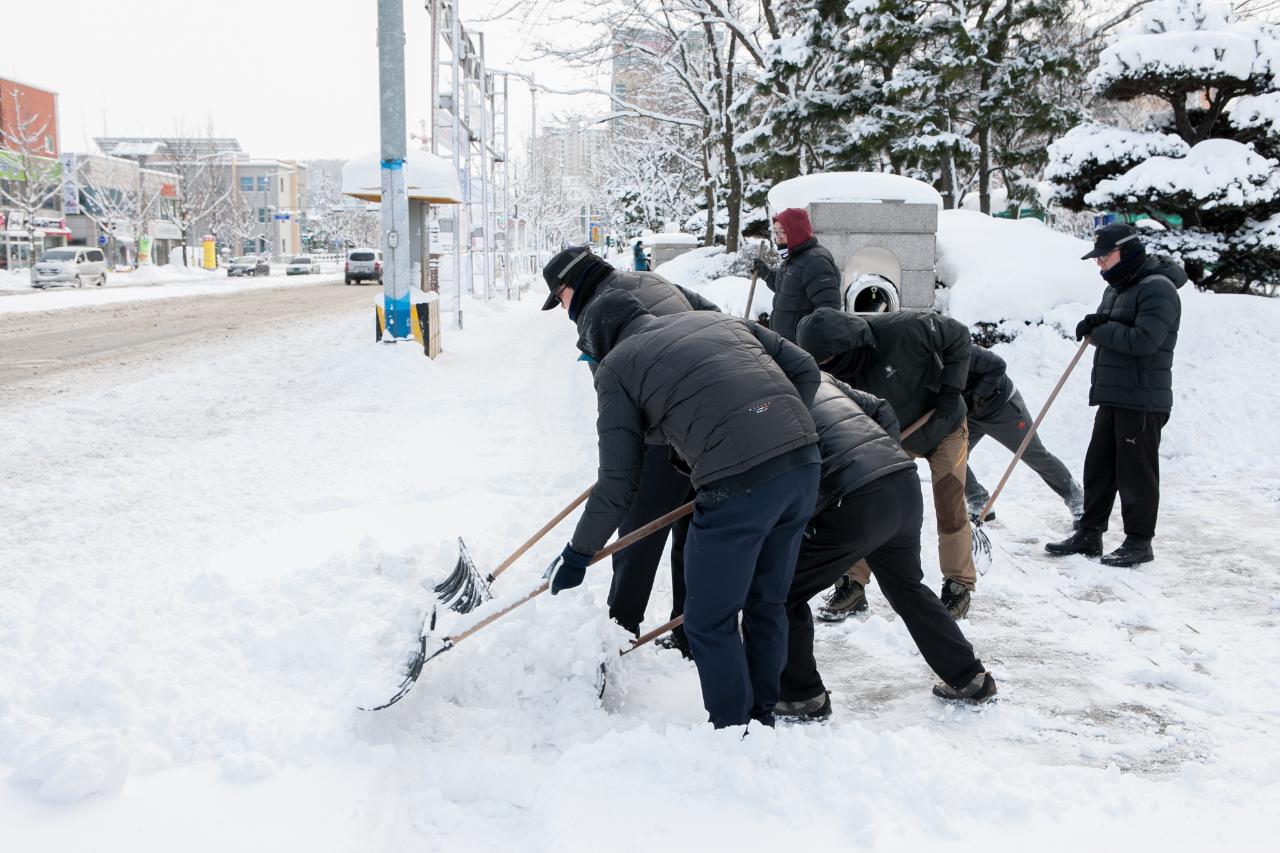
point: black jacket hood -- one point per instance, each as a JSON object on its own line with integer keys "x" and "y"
{"x": 615, "y": 316}
{"x": 828, "y": 333}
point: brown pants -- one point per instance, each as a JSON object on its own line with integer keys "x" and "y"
{"x": 948, "y": 463}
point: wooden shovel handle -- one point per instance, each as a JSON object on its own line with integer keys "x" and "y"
{"x": 1031, "y": 433}
{"x": 610, "y": 549}
{"x": 546, "y": 528}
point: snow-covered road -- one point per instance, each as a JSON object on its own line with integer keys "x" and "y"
{"x": 206, "y": 566}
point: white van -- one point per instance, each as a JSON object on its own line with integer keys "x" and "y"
{"x": 78, "y": 265}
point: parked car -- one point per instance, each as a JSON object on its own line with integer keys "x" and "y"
{"x": 363, "y": 265}
{"x": 76, "y": 265}
{"x": 302, "y": 265}
{"x": 248, "y": 265}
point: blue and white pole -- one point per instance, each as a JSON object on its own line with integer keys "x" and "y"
{"x": 395, "y": 200}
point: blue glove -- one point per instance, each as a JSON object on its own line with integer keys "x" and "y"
{"x": 568, "y": 570}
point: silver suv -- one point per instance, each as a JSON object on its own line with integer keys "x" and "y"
{"x": 76, "y": 265}
{"x": 363, "y": 265}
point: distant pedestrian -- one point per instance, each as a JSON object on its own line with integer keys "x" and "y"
{"x": 997, "y": 409}
{"x": 807, "y": 279}
{"x": 1134, "y": 331}
{"x": 732, "y": 399}
{"x": 641, "y": 259}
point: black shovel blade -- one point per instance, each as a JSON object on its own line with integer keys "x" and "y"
{"x": 420, "y": 658}
{"x": 465, "y": 588}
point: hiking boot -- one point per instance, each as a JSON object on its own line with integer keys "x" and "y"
{"x": 1130, "y": 554}
{"x": 981, "y": 689}
{"x": 955, "y": 597}
{"x": 1085, "y": 541}
{"x": 846, "y": 598}
{"x": 806, "y": 711}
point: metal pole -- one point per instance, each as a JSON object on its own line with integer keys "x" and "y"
{"x": 455, "y": 42}
{"x": 395, "y": 202}
{"x": 486, "y": 171}
{"x": 506, "y": 183}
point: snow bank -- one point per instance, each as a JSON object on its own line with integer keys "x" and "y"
{"x": 850, "y": 186}
{"x": 1015, "y": 270}
{"x": 1216, "y": 172}
{"x": 120, "y": 289}
{"x": 709, "y": 272}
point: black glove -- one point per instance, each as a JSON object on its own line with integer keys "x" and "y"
{"x": 1086, "y": 326}
{"x": 763, "y": 319}
{"x": 568, "y": 570}
{"x": 761, "y": 268}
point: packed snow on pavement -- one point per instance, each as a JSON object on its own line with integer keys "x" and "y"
{"x": 207, "y": 569}
{"x": 147, "y": 283}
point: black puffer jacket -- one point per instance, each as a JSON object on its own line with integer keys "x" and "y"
{"x": 808, "y": 279}
{"x": 725, "y": 394}
{"x": 1133, "y": 365}
{"x": 659, "y": 296}
{"x": 858, "y": 437}
{"x": 988, "y": 386}
{"x": 916, "y": 360}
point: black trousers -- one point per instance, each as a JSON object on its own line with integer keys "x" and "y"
{"x": 881, "y": 523}
{"x": 662, "y": 488}
{"x": 1124, "y": 458}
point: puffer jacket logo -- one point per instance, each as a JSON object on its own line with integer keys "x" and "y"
{"x": 759, "y": 408}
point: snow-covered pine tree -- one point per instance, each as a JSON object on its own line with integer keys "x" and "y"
{"x": 1205, "y": 163}
{"x": 953, "y": 93}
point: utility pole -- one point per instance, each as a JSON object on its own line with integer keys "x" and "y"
{"x": 395, "y": 201}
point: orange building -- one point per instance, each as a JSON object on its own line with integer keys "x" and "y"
{"x": 37, "y": 107}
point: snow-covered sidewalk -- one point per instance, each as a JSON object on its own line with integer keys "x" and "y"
{"x": 206, "y": 569}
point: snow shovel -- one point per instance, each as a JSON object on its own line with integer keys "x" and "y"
{"x": 427, "y": 651}
{"x": 982, "y": 542}
{"x": 465, "y": 589}
{"x": 649, "y": 637}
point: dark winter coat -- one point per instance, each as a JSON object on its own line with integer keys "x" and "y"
{"x": 727, "y": 395}
{"x": 659, "y": 297}
{"x": 1133, "y": 365}
{"x": 807, "y": 280}
{"x": 988, "y": 387}
{"x": 858, "y": 437}
{"x": 916, "y": 360}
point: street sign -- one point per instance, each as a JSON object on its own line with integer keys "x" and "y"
{"x": 281, "y": 217}
{"x": 102, "y": 239}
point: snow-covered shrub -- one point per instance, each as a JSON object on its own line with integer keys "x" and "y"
{"x": 1207, "y": 169}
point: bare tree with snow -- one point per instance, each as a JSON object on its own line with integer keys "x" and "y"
{"x": 30, "y": 179}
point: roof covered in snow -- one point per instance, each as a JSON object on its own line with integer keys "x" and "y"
{"x": 428, "y": 178}
{"x": 865, "y": 187}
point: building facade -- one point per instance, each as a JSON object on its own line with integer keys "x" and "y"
{"x": 127, "y": 209}
{"x": 30, "y": 174}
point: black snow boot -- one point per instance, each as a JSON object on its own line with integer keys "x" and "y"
{"x": 807, "y": 711}
{"x": 955, "y": 597}
{"x": 847, "y": 598}
{"x": 1131, "y": 553}
{"x": 981, "y": 689}
{"x": 1085, "y": 541}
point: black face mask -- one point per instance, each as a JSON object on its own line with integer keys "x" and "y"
{"x": 1122, "y": 273}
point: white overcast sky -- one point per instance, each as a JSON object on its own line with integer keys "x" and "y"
{"x": 293, "y": 79}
